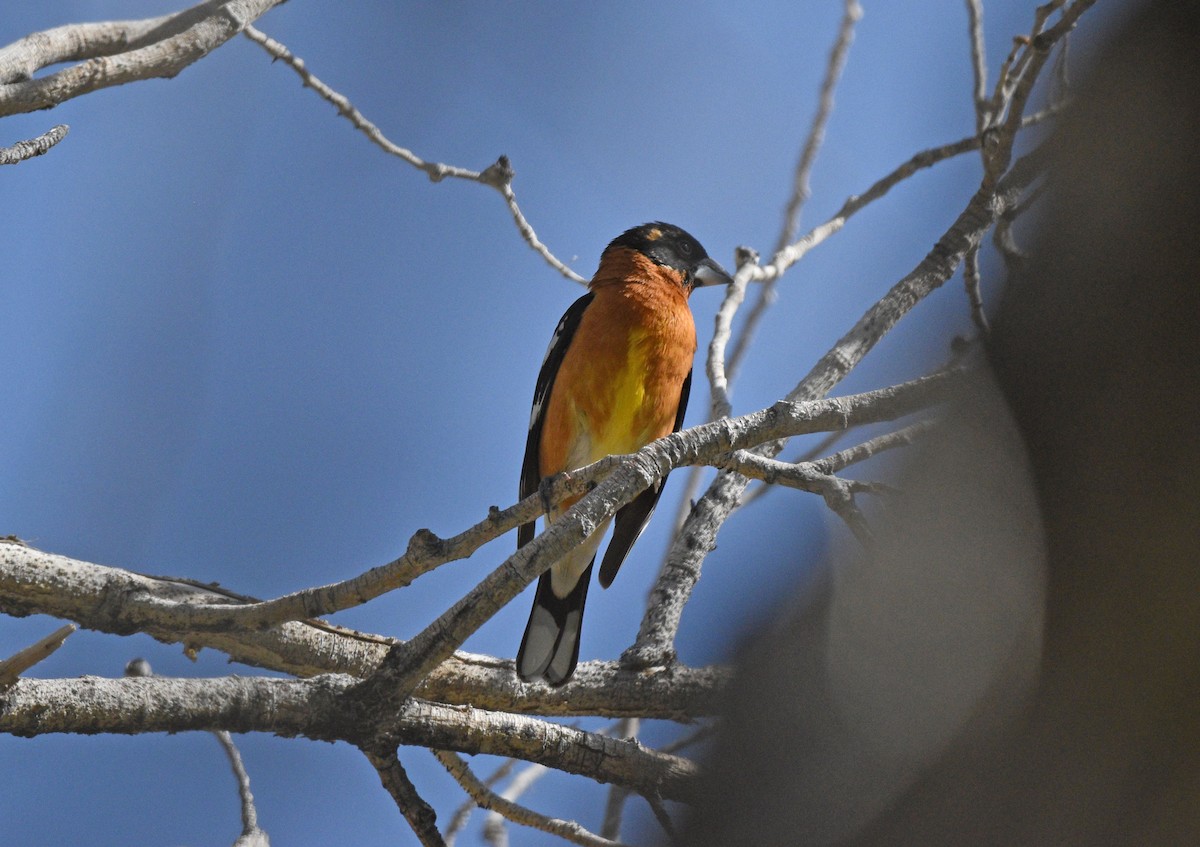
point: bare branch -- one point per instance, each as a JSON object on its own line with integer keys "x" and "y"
{"x": 794, "y": 252}
{"x": 589, "y": 754}
{"x": 838, "y": 493}
{"x": 23, "y": 150}
{"x": 436, "y": 171}
{"x": 116, "y": 53}
{"x": 791, "y": 254}
{"x": 323, "y": 709}
{"x": 494, "y": 828}
{"x": 21, "y": 661}
{"x": 816, "y": 134}
{"x": 659, "y": 809}
{"x": 419, "y": 814}
{"x": 109, "y": 600}
{"x": 861, "y": 452}
{"x": 524, "y": 227}
{"x": 656, "y": 635}
{"x": 487, "y": 799}
{"x": 459, "y": 819}
{"x": 408, "y": 664}
{"x": 425, "y": 552}
{"x": 979, "y": 99}
{"x": 499, "y": 175}
{"x": 1014, "y": 90}
{"x": 802, "y": 476}
{"x": 251, "y": 835}
{"x": 720, "y": 406}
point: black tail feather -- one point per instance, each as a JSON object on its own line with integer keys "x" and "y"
{"x": 550, "y": 646}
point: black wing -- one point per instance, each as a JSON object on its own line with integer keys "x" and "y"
{"x": 633, "y": 517}
{"x": 531, "y": 474}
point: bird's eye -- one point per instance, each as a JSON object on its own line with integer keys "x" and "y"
{"x": 685, "y": 248}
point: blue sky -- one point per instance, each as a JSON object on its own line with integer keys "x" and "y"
{"x": 244, "y": 345}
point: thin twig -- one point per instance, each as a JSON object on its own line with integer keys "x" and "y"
{"x": 21, "y": 661}
{"x": 838, "y": 493}
{"x": 852, "y": 455}
{"x": 488, "y": 799}
{"x": 809, "y": 455}
{"x": 719, "y": 404}
{"x": 979, "y": 99}
{"x": 23, "y": 150}
{"x": 495, "y": 830}
{"x": 816, "y": 134}
{"x": 660, "y": 814}
{"x": 872, "y": 447}
{"x": 459, "y": 819}
{"x": 852, "y": 13}
{"x": 499, "y": 175}
{"x": 1014, "y": 91}
{"x": 853, "y": 204}
{"x": 251, "y": 835}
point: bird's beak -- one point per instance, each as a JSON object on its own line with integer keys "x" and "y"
{"x": 710, "y": 273}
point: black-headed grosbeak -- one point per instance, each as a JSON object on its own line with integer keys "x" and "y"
{"x": 616, "y": 377}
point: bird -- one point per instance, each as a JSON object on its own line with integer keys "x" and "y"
{"x": 616, "y": 376}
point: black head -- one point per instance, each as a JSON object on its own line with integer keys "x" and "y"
{"x": 669, "y": 246}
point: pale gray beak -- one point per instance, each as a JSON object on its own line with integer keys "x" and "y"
{"x": 709, "y": 272}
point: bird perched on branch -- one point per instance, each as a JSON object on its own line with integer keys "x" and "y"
{"x": 615, "y": 378}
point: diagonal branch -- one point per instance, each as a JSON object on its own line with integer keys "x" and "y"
{"x": 116, "y": 53}
{"x": 656, "y": 635}
{"x": 407, "y": 664}
{"x": 21, "y": 661}
{"x": 23, "y": 150}
{"x": 459, "y": 820}
{"x": 419, "y": 814}
{"x": 494, "y": 831}
{"x": 485, "y": 798}
{"x": 855, "y": 203}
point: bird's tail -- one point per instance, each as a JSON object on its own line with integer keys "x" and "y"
{"x": 550, "y": 647}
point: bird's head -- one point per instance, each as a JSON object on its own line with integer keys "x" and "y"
{"x": 671, "y": 247}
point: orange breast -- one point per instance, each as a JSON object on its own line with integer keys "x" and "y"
{"x": 619, "y": 383}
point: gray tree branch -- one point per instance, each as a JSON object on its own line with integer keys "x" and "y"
{"x": 321, "y": 709}
{"x": 110, "y": 599}
{"x": 23, "y": 150}
{"x": 116, "y": 52}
